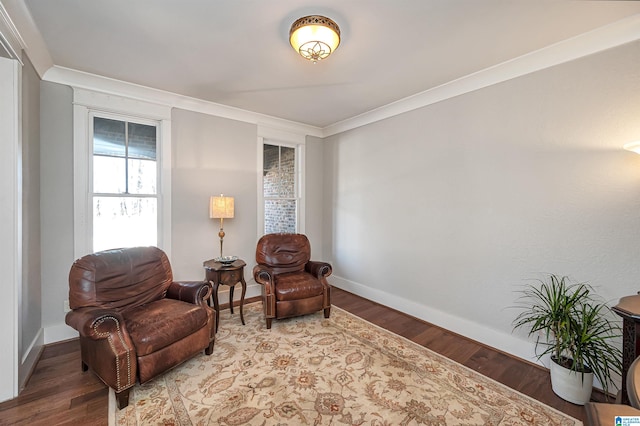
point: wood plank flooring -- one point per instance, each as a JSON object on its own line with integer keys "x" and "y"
{"x": 58, "y": 393}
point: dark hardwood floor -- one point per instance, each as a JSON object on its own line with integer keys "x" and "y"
{"x": 58, "y": 393}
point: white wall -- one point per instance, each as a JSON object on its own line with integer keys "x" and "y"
{"x": 211, "y": 156}
{"x": 31, "y": 339}
{"x": 444, "y": 212}
{"x": 56, "y": 203}
{"x": 314, "y": 196}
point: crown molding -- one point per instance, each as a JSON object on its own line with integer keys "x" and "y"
{"x": 27, "y": 35}
{"x": 88, "y": 81}
{"x": 615, "y": 34}
{"x": 10, "y": 39}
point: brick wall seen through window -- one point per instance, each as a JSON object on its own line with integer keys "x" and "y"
{"x": 279, "y": 188}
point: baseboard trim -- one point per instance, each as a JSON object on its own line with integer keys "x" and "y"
{"x": 253, "y": 290}
{"x": 58, "y": 333}
{"x": 30, "y": 359}
{"x": 495, "y": 339}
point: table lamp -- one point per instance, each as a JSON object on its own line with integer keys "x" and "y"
{"x": 221, "y": 207}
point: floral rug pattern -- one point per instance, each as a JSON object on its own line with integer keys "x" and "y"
{"x": 315, "y": 371}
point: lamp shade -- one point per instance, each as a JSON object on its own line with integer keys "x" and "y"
{"x": 633, "y": 146}
{"x": 221, "y": 207}
{"x": 314, "y": 37}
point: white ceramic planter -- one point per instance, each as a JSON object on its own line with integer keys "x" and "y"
{"x": 569, "y": 385}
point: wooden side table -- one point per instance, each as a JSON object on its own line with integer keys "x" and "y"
{"x": 228, "y": 274}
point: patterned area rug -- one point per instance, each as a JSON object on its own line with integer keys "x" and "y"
{"x": 315, "y": 371}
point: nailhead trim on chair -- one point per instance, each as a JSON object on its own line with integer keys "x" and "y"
{"x": 262, "y": 275}
{"x": 207, "y": 293}
{"x": 124, "y": 343}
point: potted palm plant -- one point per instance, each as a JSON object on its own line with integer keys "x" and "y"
{"x": 577, "y": 330}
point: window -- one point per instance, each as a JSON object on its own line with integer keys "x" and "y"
{"x": 280, "y": 189}
{"x": 124, "y": 183}
{"x": 121, "y": 179}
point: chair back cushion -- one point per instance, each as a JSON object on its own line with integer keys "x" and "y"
{"x": 119, "y": 279}
{"x": 283, "y": 252}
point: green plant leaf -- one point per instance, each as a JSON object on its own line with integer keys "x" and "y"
{"x": 574, "y": 324}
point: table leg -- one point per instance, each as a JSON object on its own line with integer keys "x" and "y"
{"x": 231, "y": 287}
{"x": 244, "y": 290}
{"x": 216, "y": 305}
{"x": 630, "y": 349}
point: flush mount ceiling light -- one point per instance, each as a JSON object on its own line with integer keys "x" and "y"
{"x": 633, "y": 146}
{"x": 314, "y": 37}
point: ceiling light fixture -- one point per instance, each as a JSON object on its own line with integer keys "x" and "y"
{"x": 314, "y": 37}
{"x": 633, "y": 146}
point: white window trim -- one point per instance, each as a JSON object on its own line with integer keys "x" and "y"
{"x": 279, "y": 137}
{"x": 85, "y": 103}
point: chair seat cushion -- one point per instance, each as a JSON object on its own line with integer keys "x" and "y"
{"x": 160, "y": 323}
{"x": 296, "y": 285}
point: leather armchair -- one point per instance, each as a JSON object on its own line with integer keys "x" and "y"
{"x": 292, "y": 284}
{"x": 134, "y": 321}
{"x": 602, "y": 413}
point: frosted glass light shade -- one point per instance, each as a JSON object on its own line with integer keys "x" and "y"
{"x": 314, "y": 37}
{"x": 633, "y": 146}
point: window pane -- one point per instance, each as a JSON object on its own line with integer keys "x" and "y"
{"x": 271, "y": 156}
{"x": 124, "y": 222}
{"x": 142, "y": 177}
{"x": 108, "y": 137}
{"x": 109, "y": 175}
{"x": 142, "y": 141}
{"x": 271, "y": 182}
{"x": 271, "y": 172}
{"x": 287, "y": 172}
{"x": 279, "y": 188}
{"x": 279, "y": 216}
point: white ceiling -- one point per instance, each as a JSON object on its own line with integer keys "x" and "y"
{"x": 236, "y": 52}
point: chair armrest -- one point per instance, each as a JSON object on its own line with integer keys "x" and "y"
{"x": 196, "y": 292}
{"x": 110, "y": 352}
{"x": 263, "y": 274}
{"x": 96, "y": 323}
{"x": 318, "y": 269}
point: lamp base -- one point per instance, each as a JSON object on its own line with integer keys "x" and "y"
{"x": 221, "y": 235}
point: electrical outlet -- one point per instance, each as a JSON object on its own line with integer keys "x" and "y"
{"x": 66, "y": 306}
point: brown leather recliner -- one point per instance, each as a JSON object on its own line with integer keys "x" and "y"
{"x": 134, "y": 321}
{"x": 292, "y": 284}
